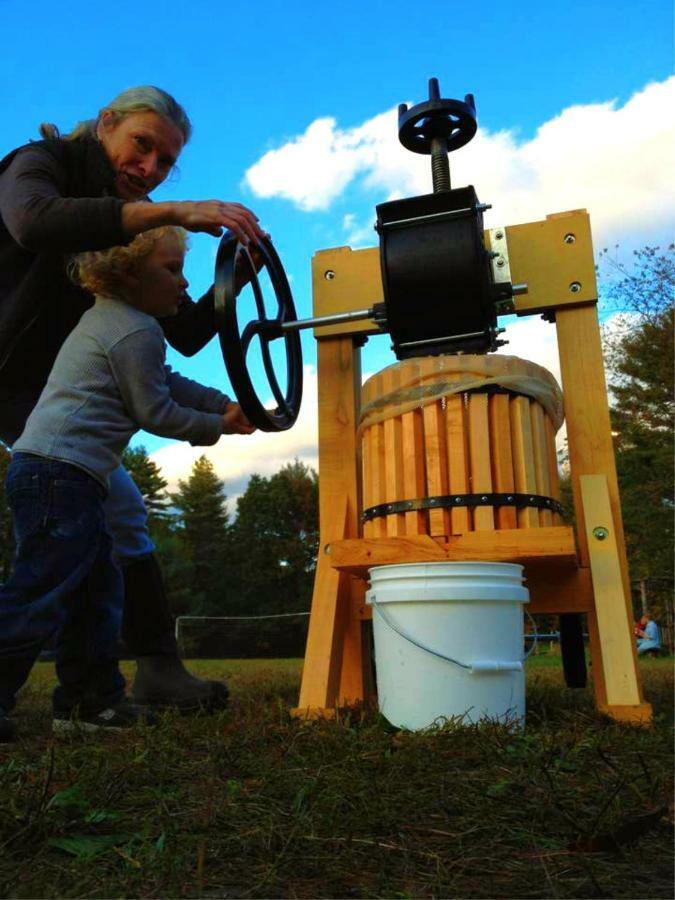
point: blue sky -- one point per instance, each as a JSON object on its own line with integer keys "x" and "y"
{"x": 290, "y": 102}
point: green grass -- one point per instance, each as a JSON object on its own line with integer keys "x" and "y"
{"x": 252, "y": 803}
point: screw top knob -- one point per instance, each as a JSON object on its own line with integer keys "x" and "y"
{"x": 453, "y": 122}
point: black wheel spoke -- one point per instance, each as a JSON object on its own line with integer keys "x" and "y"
{"x": 272, "y": 375}
{"x": 257, "y": 293}
{"x": 251, "y": 330}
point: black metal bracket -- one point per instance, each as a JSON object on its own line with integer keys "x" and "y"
{"x": 448, "y": 501}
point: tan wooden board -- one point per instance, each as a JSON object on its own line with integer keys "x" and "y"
{"x": 414, "y": 477}
{"x": 436, "y": 465}
{"x": 541, "y": 469}
{"x": 633, "y": 714}
{"x": 334, "y": 661}
{"x": 553, "y": 473}
{"x": 393, "y": 457}
{"x": 616, "y": 631}
{"x": 525, "y": 477}
{"x": 501, "y": 453}
{"x": 479, "y": 455}
{"x": 457, "y": 445}
{"x": 323, "y": 658}
{"x": 517, "y": 545}
{"x": 345, "y": 280}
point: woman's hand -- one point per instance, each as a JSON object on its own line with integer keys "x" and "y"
{"x": 212, "y": 216}
{"x": 235, "y": 422}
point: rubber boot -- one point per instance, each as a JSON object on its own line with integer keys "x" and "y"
{"x": 162, "y": 681}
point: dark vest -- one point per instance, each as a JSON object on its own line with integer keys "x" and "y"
{"x": 39, "y": 304}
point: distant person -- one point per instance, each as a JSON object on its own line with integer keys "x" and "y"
{"x": 649, "y": 635}
{"x": 81, "y": 192}
{"x": 109, "y": 380}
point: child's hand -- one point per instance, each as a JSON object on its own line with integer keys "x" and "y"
{"x": 235, "y": 422}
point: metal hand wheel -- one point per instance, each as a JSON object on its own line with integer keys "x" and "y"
{"x": 234, "y": 259}
{"x": 451, "y": 122}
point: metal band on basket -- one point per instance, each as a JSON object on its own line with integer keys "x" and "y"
{"x": 448, "y": 501}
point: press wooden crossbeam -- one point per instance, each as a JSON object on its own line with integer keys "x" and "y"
{"x": 521, "y": 545}
{"x": 549, "y": 256}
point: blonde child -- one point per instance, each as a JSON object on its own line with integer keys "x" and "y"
{"x": 108, "y": 381}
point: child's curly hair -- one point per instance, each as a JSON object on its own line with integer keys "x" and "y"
{"x": 101, "y": 271}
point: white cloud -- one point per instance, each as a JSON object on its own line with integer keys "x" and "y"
{"x": 236, "y": 457}
{"x": 617, "y": 162}
{"x": 315, "y": 168}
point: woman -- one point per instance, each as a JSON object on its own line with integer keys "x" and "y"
{"x": 87, "y": 191}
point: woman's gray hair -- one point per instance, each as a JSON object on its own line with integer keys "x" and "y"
{"x": 138, "y": 99}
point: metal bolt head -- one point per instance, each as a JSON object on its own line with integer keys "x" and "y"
{"x": 500, "y": 262}
{"x": 329, "y": 274}
{"x": 575, "y": 287}
{"x": 499, "y": 235}
{"x": 570, "y": 238}
{"x": 600, "y": 533}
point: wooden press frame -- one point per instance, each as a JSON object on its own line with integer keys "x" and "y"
{"x": 585, "y": 572}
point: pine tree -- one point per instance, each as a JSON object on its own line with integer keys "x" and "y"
{"x": 203, "y": 523}
{"x": 150, "y": 482}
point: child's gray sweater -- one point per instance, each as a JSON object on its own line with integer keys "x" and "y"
{"x": 108, "y": 381}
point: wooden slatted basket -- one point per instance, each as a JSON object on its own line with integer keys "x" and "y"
{"x": 445, "y": 429}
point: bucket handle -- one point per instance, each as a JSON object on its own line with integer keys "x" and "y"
{"x": 477, "y": 667}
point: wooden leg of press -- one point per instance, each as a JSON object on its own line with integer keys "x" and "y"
{"x": 618, "y": 658}
{"x": 597, "y": 671}
{"x": 352, "y": 687}
{"x": 323, "y": 656}
{"x": 331, "y": 600}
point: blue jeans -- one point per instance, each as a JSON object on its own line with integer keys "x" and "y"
{"x": 126, "y": 516}
{"x": 147, "y": 628}
{"x": 64, "y": 584}
{"x": 127, "y": 519}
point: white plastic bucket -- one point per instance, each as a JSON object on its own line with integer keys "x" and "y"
{"x": 449, "y": 641}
